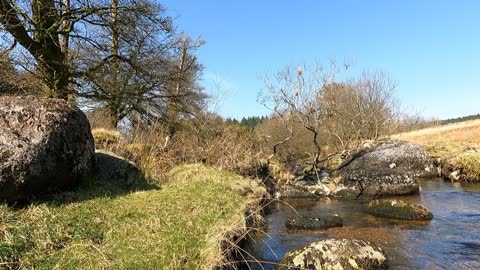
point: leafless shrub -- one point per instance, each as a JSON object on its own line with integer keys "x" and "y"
{"x": 337, "y": 112}
{"x": 232, "y": 148}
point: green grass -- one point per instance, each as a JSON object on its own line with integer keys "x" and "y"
{"x": 115, "y": 225}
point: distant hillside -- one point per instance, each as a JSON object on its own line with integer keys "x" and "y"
{"x": 460, "y": 119}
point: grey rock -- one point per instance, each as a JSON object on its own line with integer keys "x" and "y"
{"x": 111, "y": 166}
{"x": 374, "y": 182}
{"x": 294, "y": 192}
{"x": 386, "y": 169}
{"x": 397, "y": 209}
{"x": 395, "y": 154}
{"x": 335, "y": 254}
{"x": 45, "y": 145}
{"x": 313, "y": 222}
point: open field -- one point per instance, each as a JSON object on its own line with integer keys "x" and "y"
{"x": 447, "y": 140}
{"x": 108, "y": 224}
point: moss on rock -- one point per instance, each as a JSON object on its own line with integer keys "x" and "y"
{"x": 397, "y": 209}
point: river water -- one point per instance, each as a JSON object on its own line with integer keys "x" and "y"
{"x": 450, "y": 241}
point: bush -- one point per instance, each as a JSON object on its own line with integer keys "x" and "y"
{"x": 230, "y": 147}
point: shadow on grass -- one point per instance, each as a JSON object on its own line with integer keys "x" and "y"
{"x": 112, "y": 177}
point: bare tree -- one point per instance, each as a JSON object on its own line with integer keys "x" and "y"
{"x": 359, "y": 110}
{"x": 379, "y": 106}
{"x": 298, "y": 92}
{"x": 338, "y": 112}
{"x": 148, "y": 79}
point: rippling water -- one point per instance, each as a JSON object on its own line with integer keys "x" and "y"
{"x": 450, "y": 241}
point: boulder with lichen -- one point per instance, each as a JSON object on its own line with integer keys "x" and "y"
{"x": 45, "y": 145}
{"x": 335, "y": 254}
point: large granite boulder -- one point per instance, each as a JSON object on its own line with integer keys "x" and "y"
{"x": 335, "y": 254}
{"x": 45, "y": 145}
{"x": 385, "y": 169}
{"x": 397, "y": 209}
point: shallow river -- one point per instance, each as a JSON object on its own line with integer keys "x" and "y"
{"x": 450, "y": 241}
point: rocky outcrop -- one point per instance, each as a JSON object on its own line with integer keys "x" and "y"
{"x": 335, "y": 254}
{"x": 313, "y": 223}
{"x": 45, "y": 145}
{"x": 397, "y": 209}
{"x": 386, "y": 169}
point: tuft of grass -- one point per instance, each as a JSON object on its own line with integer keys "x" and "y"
{"x": 104, "y": 225}
{"x": 469, "y": 162}
{"x": 105, "y": 138}
{"x": 454, "y": 144}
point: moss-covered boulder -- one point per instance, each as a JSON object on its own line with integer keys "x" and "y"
{"x": 397, "y": 209}
{"x": 335, "y": 254}
{"x": 313, "y": 223}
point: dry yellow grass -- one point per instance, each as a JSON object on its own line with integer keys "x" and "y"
{"x": 447, "y": 140}
{"x": 450, "y": 143}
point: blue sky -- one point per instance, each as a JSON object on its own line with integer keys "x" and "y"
{"x": 430, "y": 48}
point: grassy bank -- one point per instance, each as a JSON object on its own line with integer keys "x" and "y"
{"x": 457, "y": 145}
{"x": 107, "y": 224}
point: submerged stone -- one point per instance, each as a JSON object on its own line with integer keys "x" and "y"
{"x": 397, "y": 209}
{"x": 313, "y": 223}
{"x": 335, "y": 254}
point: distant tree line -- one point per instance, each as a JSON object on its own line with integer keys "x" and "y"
{"x": 250, "y": 122}
{"x": 460, "y": 119}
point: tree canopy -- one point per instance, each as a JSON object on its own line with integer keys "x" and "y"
{"x": 123, "y": 55}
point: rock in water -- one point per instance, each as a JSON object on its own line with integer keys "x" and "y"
{"x": 397, "y": 209}
{"x": 45, "y": 145}
{"x": 387, "y": 169}
{"x": 313, "y": 223}
{"x": 335, "y": 254}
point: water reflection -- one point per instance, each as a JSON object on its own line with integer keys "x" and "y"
{"x": 450, "y": 241}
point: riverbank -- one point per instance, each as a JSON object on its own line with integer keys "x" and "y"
{"x": 187, "y": 223}
{"x": 454, "y": 148}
